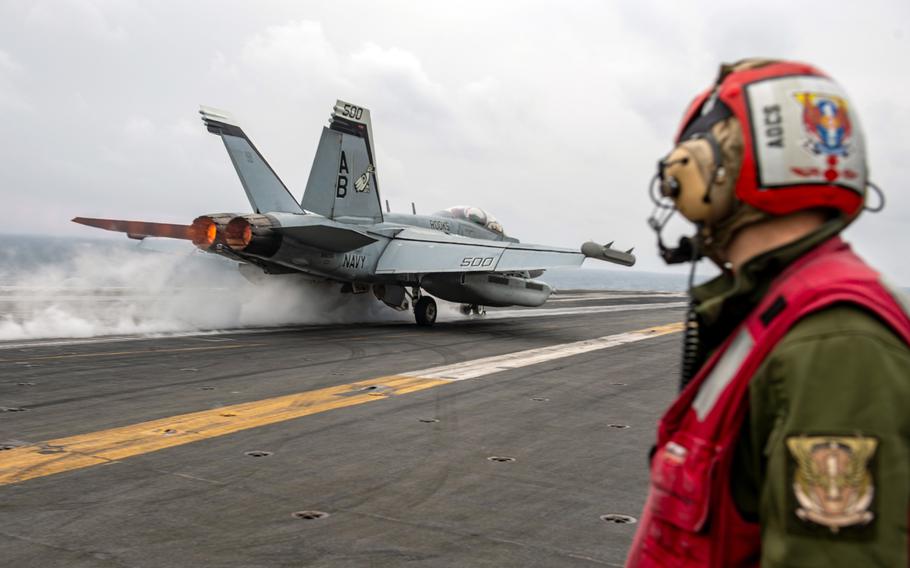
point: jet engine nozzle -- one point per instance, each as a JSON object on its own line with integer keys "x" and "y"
{"x": 252, "y": 234}
{"x": 208, "y": 230}
{"x": 203, "y": 232}
{"x": 238, "y": 233}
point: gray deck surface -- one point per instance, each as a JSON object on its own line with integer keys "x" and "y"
{"x": 400, "y": 492}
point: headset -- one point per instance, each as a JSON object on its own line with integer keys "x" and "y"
{"x": 683, "y": 183}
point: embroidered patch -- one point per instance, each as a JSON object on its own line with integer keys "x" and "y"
{"x": 832, "y": 482}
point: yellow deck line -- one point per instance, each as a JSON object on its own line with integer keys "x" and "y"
{"x": 106, "y": 446}
{"x": 135, "y": 352}
{"x": 95, "y": 448}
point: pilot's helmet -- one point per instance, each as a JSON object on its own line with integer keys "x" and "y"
{"x": 476, "y": 215}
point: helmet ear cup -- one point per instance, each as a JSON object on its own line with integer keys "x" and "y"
{"x": 686, "y": 176}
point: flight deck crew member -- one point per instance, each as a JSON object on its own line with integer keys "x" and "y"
{"x": 789, "y": 443}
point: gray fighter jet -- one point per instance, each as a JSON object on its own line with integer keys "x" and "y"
{"x": 339, "y": 232}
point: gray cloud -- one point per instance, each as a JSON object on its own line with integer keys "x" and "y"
{"x": 551, "y": 116}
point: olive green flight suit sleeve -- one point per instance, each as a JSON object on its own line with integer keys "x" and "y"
{"x": 829, "y": 421}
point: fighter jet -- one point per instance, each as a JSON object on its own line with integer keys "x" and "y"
{"x": 338, "y": 231}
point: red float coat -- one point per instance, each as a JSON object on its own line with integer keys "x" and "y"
{"x": 690, "y": 518}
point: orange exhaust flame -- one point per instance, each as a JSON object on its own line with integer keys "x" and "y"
{"x": 138, "y": 229}
{"x": 238, "y": 233}
{"x": 251, "y": 235}
{"x": 203, "y": 231}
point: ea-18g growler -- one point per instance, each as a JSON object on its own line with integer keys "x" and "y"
{"x": 339, "y": 232}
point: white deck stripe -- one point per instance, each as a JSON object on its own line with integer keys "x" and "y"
{"x": 581, "y": 310}
{"x": 489, "y": 365}
{"x": 593, "y": 297}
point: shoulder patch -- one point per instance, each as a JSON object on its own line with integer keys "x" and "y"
{"x": 833, "y": 482}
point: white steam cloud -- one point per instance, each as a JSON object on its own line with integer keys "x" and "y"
{"x": 51, "y": 289}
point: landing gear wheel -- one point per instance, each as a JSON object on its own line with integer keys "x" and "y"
{"x": 425, "y": 311}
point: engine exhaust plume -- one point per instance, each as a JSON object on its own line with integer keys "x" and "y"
{"x": 138, "y": 229}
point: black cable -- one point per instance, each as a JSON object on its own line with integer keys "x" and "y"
{"x": 881, "y": 198}
{"x": 691, "y": 343}
{"x": 690, "y": 352}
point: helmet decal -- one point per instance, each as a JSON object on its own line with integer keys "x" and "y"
{"x": 827, "y": 123}
{"x": 829, "y": 133}
{"x": 804, "y": 134}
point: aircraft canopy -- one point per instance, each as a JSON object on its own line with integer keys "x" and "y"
{"x": 475, "y": 215}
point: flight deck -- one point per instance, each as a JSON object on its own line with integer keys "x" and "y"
{"x": 517, "y": 439}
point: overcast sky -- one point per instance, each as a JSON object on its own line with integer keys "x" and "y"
{"x": 550, "y": 115}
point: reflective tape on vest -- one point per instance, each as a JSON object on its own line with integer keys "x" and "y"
{"x": 723, "y": 372}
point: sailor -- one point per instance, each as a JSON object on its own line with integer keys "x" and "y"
{"x": 789, "y": 443}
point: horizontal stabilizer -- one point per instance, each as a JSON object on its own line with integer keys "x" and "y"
{"x": 265, "y": 190}
{"x": 601, "y": 252}
{"x": 326, "y": 237}
{"x": 139, "y": 229}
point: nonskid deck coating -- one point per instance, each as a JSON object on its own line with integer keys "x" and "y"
{"x": 405, "y": 482}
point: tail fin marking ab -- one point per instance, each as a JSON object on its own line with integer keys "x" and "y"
{"x": 342, "y": 181}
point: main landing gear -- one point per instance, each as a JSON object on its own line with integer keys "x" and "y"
{"x": 424, "y": 307}
{"x": 425, "y": 311}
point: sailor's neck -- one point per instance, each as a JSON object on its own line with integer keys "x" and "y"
{"x": 773, "y": 233}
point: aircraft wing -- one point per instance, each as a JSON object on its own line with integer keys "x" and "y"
{"x": 415, "y": 251}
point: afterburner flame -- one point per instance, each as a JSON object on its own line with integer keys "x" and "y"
{"x": 203, "y": 231}
{"x": 238, "y": 233}
{"x": 251, "y": 235}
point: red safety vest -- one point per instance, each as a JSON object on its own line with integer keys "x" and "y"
{"x": 690, "y": 518}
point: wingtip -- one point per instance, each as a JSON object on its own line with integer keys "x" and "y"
{"x": 592, "y": 249}
{"x": 217, "y": 115}
{"x": 206, "y": 110}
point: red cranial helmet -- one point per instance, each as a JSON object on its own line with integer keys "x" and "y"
{"x": 768, "y": 138}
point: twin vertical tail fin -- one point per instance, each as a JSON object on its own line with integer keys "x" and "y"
{"x": 342, "y": 183}
{"x": 264, "y": 189}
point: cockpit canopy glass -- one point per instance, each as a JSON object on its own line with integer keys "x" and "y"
{"x": 475, "y": 215}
